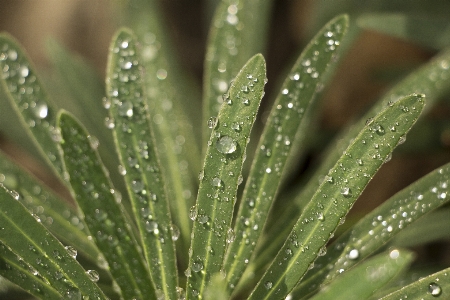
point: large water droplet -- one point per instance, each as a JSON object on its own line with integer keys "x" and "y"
{"x": 41, "y": 110}
{"x": 226, "y": 145}
{"x": 93, "y": 275}
{"x": 72, "y": 251}
{"x": 268, "y": 285}
{"x": 152, "y": 227}
{"x": 217, "y": 182}
{"x": 353, "y": 254}
{"x": 434, "y": 289}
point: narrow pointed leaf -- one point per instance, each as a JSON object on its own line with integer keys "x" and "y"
{"x": 237, "y": 32}
{"x": 135, "y": 143}
{"x": 336, "y": 194}
{"x": 25, "y": 236}
{"x": 426, "y": 30}
{"x": 28, "y": 98}
{"x": 17, "y": 271}
{"x": 432, "y": 227}
{"x": 171, "y": 98}
{"x": 221, "y": 175}
{"x": 55, "y": 213}
{"x": 431, "y": 80}
{"x": 297, "y": 95}
{"x": 431, "y": 287}
{"x": 103, "y": 212}
{"x": 364, "y": 280}
{"x": 374, "y": 230}
{"x": 83, "y": 90}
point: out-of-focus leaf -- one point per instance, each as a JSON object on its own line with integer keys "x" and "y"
{"x": 340, "y": 188}
{"x": 29, "y": 100}
{"x": 221, "y": 175}
{"x": 39, "y": 251}
{"x": 133, "y": 136}
{"x": 102, "y": 210}
{"x": 238, "y": 31}
{"x": 365, "y": 279}
{"x": 428, "y": 31}
{"x": 293, "y": 103}
{"x": 173, "y": 102}
{"x": 430, "y": 228}
{"x": 55, "y": 213}
{"x": 83, "y": 92}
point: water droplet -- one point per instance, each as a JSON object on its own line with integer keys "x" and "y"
{"x": 346, "y": 192}
{"x": 72, "y": 251}
{"x": 93, "y": 275}
{"x": 175, "y": 232}
{"x": 226, "y": 145}
{"x": 41, "y": 110}
{"x": 201, "y": 175}
{"x": 126, "y": 109}
{"x": 285, "y": 91}
{"x": 197, "y": 266}
{"x": 122, "y": 170}
{"x": 246, "y": 101}
{"x": 320, "y": 216}
{"x": 235, "y": 126}
{"x": 353, "y": 254}
{"x": 268, "y": 170}
{"x": 378, "y": 129}
{"x": 212, "y": 122}
{"x": 230, "y": 236}
{"x": 434, "y": 289}
{"x": 110, "y": 123}
{"x": 217, "y": 182}
{"x": 268, "y": 285}
{"x": 202, "y": 219}
{"x": 152, "y": 227}
{"x": 193, "y": 213}
{"x": 137, "y": 186}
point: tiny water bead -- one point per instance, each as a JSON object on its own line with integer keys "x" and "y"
{"x": 93, "y": 275}
{"x": 226, "y": 145}
{"x": 212, "y": 122}
{"x": 434, "y": 289}
{"x": 346, "y": 192}
{"x": 268, "y": 285}
{"x": 217, "y": 182}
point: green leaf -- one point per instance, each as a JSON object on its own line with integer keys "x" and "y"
{"x": 426, "y": 30}
{"x": 431, "y": 80}
{"x": 430, "y": 228}
{"x": 55, "y": 213}
{"x": 238, "y": 31}
{"x": 40, "y": 251}
{"x": 374, "y": 230}
{"x": 221, "y": 175}
{"x": 28, "y": 98}
{"x": 431, "y": 287}
{"x": 82, "y": 90}
{"x": 297, "y": 95}
{"x": 344, "y": 182}
{"x": 135, "y": 143}
{"x": 172, "y": 99}
{"x": 103, "y": 212}
{"x": 19, "y": 272}
{"x": 364, "y": 280}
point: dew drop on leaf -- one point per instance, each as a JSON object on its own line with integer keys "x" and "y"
{"x": 346, "y": 192}
{"x": 71, "y": 251}
{"x": 93, "y": 275}
{"x": 226, "y": 145}
{"x": 268, "y": 285}
{"x": 217, "y": 182}
{"x": 434, "y": 289}
{"x": 353, "y": 254}
{"x": 197, "y": 266}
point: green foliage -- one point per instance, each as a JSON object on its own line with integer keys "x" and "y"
{"x": 138, "y": 229}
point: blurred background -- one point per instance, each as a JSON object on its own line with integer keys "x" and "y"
{"x": 372, "y": 64}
